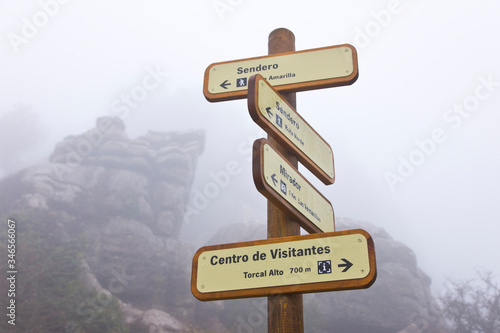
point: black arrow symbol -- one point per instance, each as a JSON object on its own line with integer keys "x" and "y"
{"x": 347, "y": 264}
{"x": 225, "y": 84}
{"x": 273, "y": 177}
{"x": 269, "y": 113}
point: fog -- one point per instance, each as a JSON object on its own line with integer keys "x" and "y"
{"x": 415, "y": 138}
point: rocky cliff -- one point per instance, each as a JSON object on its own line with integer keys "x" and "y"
{"x": 125, "y": 200}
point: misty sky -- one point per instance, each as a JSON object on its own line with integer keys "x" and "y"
{"x": 415, "y": 138}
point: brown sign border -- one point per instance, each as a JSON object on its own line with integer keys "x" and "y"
{"x": 350, "y": 284}
{"x": 269, "y": 128}
{"x": 292, "y": 87}
{"x": 271, "y": 194}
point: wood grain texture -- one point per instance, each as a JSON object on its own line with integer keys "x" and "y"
{"x": 285, "y": 311}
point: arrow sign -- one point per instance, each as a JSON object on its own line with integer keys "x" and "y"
{"x": 288, "y": 72}
{"x": 282, "y": 183}
{"x": 294, "y": 264}
{"x": 273, "y": 177}
{"x": 225, "y": 84}
{"x": 269, "y": 113}
{"x": 347, "y": 264}
{"x": 290, "y": 129}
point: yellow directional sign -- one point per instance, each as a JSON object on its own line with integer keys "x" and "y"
{"x": 278, "y": 118}
{"x": 297, "y": 264}
{"x": 292, "y": 71}
{"x": 281, "y": 183}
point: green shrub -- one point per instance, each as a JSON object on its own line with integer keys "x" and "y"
{"x": 49, "y": 295}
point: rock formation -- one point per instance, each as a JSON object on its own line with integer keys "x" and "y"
{"x": 126, "y": 198}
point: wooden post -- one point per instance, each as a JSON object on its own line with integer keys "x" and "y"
{"x": 285, "y": 311}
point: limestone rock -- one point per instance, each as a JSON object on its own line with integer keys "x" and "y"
{"x": 130, "y": 315}
{"x": 240, "y": 232}
{"x": 126, "y": 198}
{"x": 160, "y": 322}
{"x": 410, "y": 329}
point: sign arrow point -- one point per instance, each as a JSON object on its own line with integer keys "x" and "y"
{"x": 347, "y": 264}
{"x": 273, "y": 177}
{"x": 269, "y": 113}
{"x": 225, "y": 84}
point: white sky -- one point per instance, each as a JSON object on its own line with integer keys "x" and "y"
{"x": 415, "y": 65}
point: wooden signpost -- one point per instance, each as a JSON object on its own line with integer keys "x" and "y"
{"x": 287, "y": 264}
{"x": 298, "y": 264}
{"x": 279, "y": 119}
{"x": 288, "y": 71}
{"x": 281, "y": 182}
